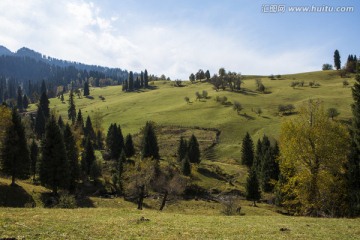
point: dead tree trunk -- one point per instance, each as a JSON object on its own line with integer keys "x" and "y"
{"x": 164, "y": 200}
{"x": 141, "y": 197}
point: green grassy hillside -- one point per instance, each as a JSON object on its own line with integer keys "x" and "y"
{"x": 165, "y": 105}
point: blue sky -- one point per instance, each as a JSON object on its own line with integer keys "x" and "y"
{"x": 177, "y": 38}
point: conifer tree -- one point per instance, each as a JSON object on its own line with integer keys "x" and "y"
{"x": 40, "y": 123}
{"x": 194, "y": 150}
{"x": 79, "y": 121}
{"x": 54, "y": 167}
{"x": 20, "y": 99}
{"x": 142, "y": 79}
{"x": 131, "y": 81}
{"x": 86, "y": 89}
{"x": 72, "y": 109}
{"x": 72, "y": 155}
{"x": 337, "y": 61}
{"x": 43, "y": 87}
{"x": 146, "y": 79}
{"x": 125, "y": 86}
{"x": 353, "y": 165}
{"x": 247, "y": 150}
{"x": 34, "y": 152}
{"x": 150, "y": 146}
{"x": 252, "y": 187}
{"x": 15, "y": 160}
{"x": 88, "y": 157}
{"x": 25, "y": 102}
{"x": 129, "y": 146}
{"x": 44, "y": 105}
{"x": 182, "y": 149}
{"x": 89, "y": 130}
{"x": 119, "y": 169}
{"x": 99, "y": 140}
{"x": 61, "y": 123}
{"x": 186, "y": 166}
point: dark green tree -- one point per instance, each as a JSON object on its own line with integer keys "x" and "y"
{"x": 34, "y": 153}
{"x": 150, "y": 146}
{"x": 182, "y": 149}
{"x": 89, "y": 130}
{"x": 337, "y": 61}
{"x": 192, "y": 77}
{"x": 15, "y": 158}
{"x": 79, "y": 124}
{"x": 19, "y": 103}
{"x": 247, "y": 151}
{"x": 114, "y": 141}
{"x": 193, "y": 150}
{"x": 61, "y": 123}
{"x": 25, "y": 102}
{"x": 118, "y": 175}
{"x": 99, "y": 140}
{"x": 72, "y": 108}
{"x": 252, "y": 187}
{"x": 44, "y": 105}
{"x": 353, "y": 166}
{"x": 43, "y": 87}
{"x": 40, "y": 123}
{"x": 86, "y": 89}
{"x": 54, "y": 167}
{"x": 186, "y": 166}
{"x": 88, "y": 157}
{"x": 72, "y": 155}
{"x": 146, "y": 79}
{"x": 129, "y": 146}
{"x": 207, "y": 75}
{"x": 125, "y": 86}
{"x": 131, "y": 81}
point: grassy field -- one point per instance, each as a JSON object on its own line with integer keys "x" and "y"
{"x": 128, "y": 223}
{"x": 165, "y": 105}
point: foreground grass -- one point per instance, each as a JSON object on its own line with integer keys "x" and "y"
{"x": 126, "y": 223}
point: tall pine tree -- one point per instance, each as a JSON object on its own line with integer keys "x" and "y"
{"x": 129, "y": 146}
{"x": 247, "y": 151}
{"x": 34, "y": 153}
{"x": 20, "y": 99}
{"x": 150, "y": 148}
{"x": 182, "y": 149}
{"x": 194, "y": 150}
{"x": 353, "y": 166}
{"x": 337, "y": 61}
{"x": 89, "y": 130}
{"x": 54, "y": 167}
{"x": 252, "y": 187}
{"x": 72, "y": 155}
{"x": 15, "y": 160}
{"x": 86, "y": 89}
{"x": 72, "y": 108}
{"x": 88, "y": 157}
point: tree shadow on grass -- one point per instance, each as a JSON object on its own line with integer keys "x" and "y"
{"x": 15, "y": 196}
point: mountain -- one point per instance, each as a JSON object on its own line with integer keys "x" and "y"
{"x": 4, "y": 51}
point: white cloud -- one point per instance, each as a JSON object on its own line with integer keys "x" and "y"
{"x": 83, "y": 32}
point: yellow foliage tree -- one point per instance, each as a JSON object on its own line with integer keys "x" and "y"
{"x": 313, "y": 155}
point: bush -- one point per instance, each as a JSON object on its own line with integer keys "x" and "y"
{"x": 66, "y": 201}
{"x": 327, "y": 66}
{"x": 231, "y": 206}
{"x": 289, "y": 108}
{"x": 204, "y": 94}
{"x": 187, "y": 99}
{"x": 345, "y": 83}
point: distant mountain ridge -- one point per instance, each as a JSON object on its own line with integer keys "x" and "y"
{"x": 27, "y": 52}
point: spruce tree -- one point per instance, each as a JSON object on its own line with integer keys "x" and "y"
{"x": 99, "y": 140}
{"x": 72, "y": 155}
{"x": 142, "y": 79}
{"x": 72, "y": 109}
{"x": 129, "y": 146}
{"x": 25, "y": 102}
{"x": 43, "y": 87}
{"x": 146, "y": 79}
{"x": 131, "y": 81}
{"x": 194, "y": 150}
{"x": 247, "y": 151}
{"x": 182, "y": 149}
{"x": 88, "y": 157}
{"x": 54, "y": 167}
{"x": 86, "y": 89}
{"x": 15, "y": 160}
{"x": 89, "y": 130}
{"x": 79, "y": 124}
{"x": 44, "y": 105}
{"x": 252, "y": 187}
{"x": 20, "y": 100}
{"x": 186, "y": 166}
{"x": 40, "y": 123}
{"x": 337, "y": 61}
{"x": 34, "y": 153}
{"x": 353, "y": 166}
{"x": 119, "y": 169}
{"x": 149, "y": 142}
{"x": 61, "y": 123}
